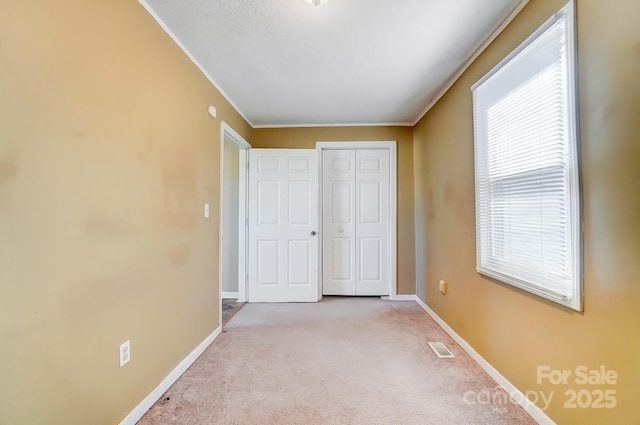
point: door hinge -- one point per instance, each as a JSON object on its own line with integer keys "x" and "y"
{"x": 246, "y": 221}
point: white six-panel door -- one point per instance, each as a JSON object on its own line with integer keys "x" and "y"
{"x": 355, "y": 222}
{"x": 283, "y": 225}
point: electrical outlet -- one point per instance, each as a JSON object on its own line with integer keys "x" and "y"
{"x": 125, "y": 353}
{"x": 442, "y": 285}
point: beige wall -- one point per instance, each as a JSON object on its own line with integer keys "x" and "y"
{"x": 515, "y": 331}
{"x": 107, "y": 156}
{"x": 306, "y": 138}
{"x": 230, "y": 216}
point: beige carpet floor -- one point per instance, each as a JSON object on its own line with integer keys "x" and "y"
{"x": 341, "y": 361}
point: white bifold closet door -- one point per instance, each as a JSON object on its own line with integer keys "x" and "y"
{"x": 355, "y": 214}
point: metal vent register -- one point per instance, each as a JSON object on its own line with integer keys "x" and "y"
{"x": 441, "y": 350}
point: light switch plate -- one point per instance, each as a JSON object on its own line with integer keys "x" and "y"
{"x": 206, "y": 210}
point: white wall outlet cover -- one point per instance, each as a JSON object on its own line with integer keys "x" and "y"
{"x": 206, "y": 210}
{"x": 442, "y": 286}
{"x": 125, "y": 353}
{"x": 211, "y": 110}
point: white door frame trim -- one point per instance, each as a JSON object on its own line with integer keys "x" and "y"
{"x": 228, "y": 133}
{"x": 393, "y": 203}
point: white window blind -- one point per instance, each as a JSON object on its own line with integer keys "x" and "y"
{"x": 527, "y": 178}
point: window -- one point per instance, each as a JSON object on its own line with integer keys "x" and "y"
{"x": 527, "y": 173}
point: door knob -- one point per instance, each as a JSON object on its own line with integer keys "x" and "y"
{"x": 313, "y": 233}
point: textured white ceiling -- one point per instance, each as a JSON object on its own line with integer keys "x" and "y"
{"x": 285, "y": 62}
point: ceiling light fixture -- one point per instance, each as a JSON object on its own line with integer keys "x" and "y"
{"x": 316, "y": 2}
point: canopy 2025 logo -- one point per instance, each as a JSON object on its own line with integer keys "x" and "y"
{"x": 583, "y": 398}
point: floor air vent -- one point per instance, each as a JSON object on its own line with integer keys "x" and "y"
{"x": 441, "y": 350}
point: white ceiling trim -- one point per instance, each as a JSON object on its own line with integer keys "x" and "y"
{"x": 377, "y": 124}
{"x": 483, "y": 46}
{"x": 191, "y": 57}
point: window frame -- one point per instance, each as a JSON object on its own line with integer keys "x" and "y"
{"x": 574, "y": 183}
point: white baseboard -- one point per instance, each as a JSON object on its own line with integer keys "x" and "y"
{"x": 534, "y": 411}
{"x": 230, "y": 295}
{"x": 403, "y": 298}
{"x": 142, "y": 408}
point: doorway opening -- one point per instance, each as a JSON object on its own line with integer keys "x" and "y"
{"x": 232, "y": 216}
